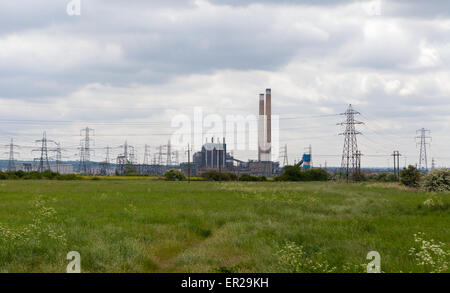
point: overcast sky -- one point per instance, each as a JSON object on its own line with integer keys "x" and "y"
{"x": 122, "y": 63}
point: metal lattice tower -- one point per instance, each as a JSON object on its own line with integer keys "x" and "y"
{"x": 423, "y": 162}
{"x": 160, "y": 153}
{"x": 58, "y": 151}
{"x": 107, "y": 158}
{"x": 105, "y": 166}
{"x": 125, "y": 151}
{"x": 177, "y": 157}
{"x": 11, "y": 161}
{"x": 131, "y": 155}
{"x": 43, "y": 159}
{"x": 124, "y": 159}
{"x": 284, "y": 154}
{"x": 351, "y": 157}
{"x": 169, "y": 154}
{"x": 85, "y": 150}
{"x": 146, "y": 155}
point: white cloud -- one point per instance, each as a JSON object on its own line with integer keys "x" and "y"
{"x": 150, "y": 60}
{"x": 43, "y": 52}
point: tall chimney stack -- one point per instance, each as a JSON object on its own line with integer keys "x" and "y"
{"x": 260, "y": 126}
{"x": 269, "y": 115}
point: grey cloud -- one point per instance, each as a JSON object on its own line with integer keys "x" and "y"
{"x": 313, "y": 54}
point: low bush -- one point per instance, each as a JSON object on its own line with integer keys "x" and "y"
{"x": 15, "y": 175}
{"x": 410, "y": 177}
{"x": 437, "y": 181}
{"x": 248, "y": 177}
{"x": 68, "y": 177}
{"x": 295, "y": 173}
{"x": 213, "y": 175}
{"x": 174, "y": 175}
{"x": 382, "y": 177}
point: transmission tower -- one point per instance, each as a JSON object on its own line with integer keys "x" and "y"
{"x": 284, "y": 154}
{"x": 125, "y": 151}
{"x": 85, "y": 150}
{"x": 177, "y": 157}
{"x": 423, "y": 162}
{"x": 169, "y": 154}
{"x": 12, "y": 161}
{"x": 146, "y": 156}
{"x": 123, "y": 159}
{"x": 105, "y": 165}
{"x": 160, "y": 154}
{"x": 132, "y": 155}
{"x": 43, "y": 159}
{"x": 107, "y": 158}
{"x": 358, "y": 165}
{"x": 351, "y": 158}
{"x": 58, "y": 156}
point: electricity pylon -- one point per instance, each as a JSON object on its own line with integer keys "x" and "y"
{"x": 43, "y": 159}
{"x": 351, "y": 162}
{"x": 423, "y": 162}
{"x": 85, "y": 150}
{"x": 12, "y": 161}
{"x": 284, "y": 154}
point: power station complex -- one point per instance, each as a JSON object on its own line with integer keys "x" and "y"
{"x": 213, "y": 155}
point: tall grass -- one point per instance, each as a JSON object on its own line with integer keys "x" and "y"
{"x": 159, "y": 226}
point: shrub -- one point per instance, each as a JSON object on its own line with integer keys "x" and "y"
{"x": 20, "y": 173}
{"x": 68, "y": 177}
{"x": 174, "y": 175}
{"x": 382, "y": 177}
{"x": 248, "y": 177}
{"x": 295, "y": 173}
{"x": 213, "y": 175}
{"x": 291, "y": 173}
{"x": 437, "y": 181}
{"x": 37, "y": 175}
{"x": 410, "y": 177}
{"x": 316, "y": 175}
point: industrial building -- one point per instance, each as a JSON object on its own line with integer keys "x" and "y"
{"x": 58, "y": 168}
{"x": 214, "y": 156}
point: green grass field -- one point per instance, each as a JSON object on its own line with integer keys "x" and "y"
{"x": 158, "y": 226}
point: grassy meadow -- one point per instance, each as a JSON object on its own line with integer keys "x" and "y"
{"x": 158, "y": 226}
